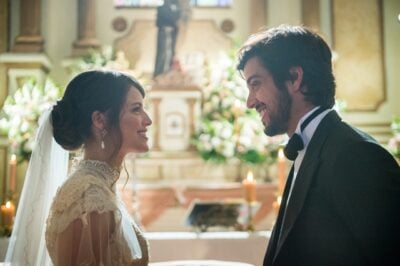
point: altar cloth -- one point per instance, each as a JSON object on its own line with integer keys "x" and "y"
{"x": 199, "y": 263}
{"x": 238, "y": 247}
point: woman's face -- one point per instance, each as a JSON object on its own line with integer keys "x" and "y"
{"x": 133, "y": 123}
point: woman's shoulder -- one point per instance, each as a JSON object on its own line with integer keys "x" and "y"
{"x": 81, "y": 185}
{"x": 82, "y": 193}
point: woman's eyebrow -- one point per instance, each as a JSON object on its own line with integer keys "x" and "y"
{"x": 135, "y": 104}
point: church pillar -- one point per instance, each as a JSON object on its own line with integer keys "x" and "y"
{"x": 4, "y": 41}
{"x": 4, "y": 25}
{"x": 310, "y": 14}
{"x": 86, "y": 28}
{"x": 26, "y": 59}
{"x": 258, "y": 18}
{"x": 29, "y": 39}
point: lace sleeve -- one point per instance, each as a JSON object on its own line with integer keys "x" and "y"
{"x": 78, "y": 197}
{"x": 89, "y": 225}
{"x": 86, "y": 241}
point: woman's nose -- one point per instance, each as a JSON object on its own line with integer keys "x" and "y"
{"x": 148, "y": 120}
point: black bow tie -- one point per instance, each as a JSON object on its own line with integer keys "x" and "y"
{"x": 295, "y": 143}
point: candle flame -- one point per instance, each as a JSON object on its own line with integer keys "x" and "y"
{"x": 250, "y": 176}
{"x": 13, "y": 158}
{"x": 8, "y": 204}
{"x": 281, "y": 155}
{"x": 279, "y": 200}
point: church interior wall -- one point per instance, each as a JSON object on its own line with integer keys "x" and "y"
{"x": 61, "y": 25}
{"x": 291, "y": 14}
{"x": 60, "y": 30}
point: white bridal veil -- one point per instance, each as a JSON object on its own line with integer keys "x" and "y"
{"x": 47, "y": 170}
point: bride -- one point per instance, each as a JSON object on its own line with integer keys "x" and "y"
{"x": 87, "y": 224}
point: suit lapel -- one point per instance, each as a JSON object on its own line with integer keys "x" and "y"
{"x": 305, "y": 175}
{"x": 278, "y": 224}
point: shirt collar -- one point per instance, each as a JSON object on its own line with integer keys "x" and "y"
{"x": 308, "y": 132}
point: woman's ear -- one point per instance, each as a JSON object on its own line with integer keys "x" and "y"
{"x": 99, "y": 120}
{"x": 296, "y": 78}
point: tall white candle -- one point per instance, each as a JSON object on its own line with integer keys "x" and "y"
{"x": 13, "y": 173}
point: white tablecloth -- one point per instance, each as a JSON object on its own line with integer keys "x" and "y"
{"x": 199, "y": 263}
{"x": 222, "y": 246}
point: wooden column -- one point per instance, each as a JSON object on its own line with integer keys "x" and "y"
{"x": 258, "y": 17}
{"x": 29, "y": 39}
{"x": 86, "y": 28}
{"x": 310, "y": 14}
{"x": 4, "y": 25}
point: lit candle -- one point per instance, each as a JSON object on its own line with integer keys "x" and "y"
{"x": 13, "y": 172}
{"x": 7, "y": 214}
{"x": 277, "y": 203}
{"x": 281, "y": 171}
{"x": 249, "y": 185}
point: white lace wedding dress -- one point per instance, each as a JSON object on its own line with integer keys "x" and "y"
{"x": 87, "y": 204}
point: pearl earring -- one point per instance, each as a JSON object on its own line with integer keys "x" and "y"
{"x": 103, "y": 134}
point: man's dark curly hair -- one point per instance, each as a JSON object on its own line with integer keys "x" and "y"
{"x": 281, "y": 48}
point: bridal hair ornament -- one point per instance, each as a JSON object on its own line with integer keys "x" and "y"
{"x": 47, "y": 170}
{"x": 103, "y": 134}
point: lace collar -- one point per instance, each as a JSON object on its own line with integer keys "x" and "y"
{"x": 102, "y": 169}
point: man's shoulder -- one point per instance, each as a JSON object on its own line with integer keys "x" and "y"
{"x": 338, "y": 128}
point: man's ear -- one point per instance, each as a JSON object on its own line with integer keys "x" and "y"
{"x": 296, "y": 78}
{"x": 99, "y": 120}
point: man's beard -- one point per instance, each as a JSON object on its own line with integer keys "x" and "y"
{"x": 280, "y": 118}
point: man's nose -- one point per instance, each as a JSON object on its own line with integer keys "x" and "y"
{"x": 251, "y": 101}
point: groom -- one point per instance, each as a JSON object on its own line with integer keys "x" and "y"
{"x": 341, "y": 204}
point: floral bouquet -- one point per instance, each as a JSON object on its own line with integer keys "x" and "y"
{"x": 227, "y": 129}
{"x": 21, "y": 112}
{"x": 394, "y": 142}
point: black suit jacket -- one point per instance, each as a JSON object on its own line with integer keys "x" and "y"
{"x": 345, "y": 205}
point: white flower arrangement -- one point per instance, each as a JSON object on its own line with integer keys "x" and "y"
{"x": 21, "y": 112}
{"x": 227, "y": 129}
{"x": 94, "y": 59}
{"x": 106, "y": 57}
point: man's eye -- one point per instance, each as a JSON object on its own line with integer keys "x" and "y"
{"x": 254, "y": 85}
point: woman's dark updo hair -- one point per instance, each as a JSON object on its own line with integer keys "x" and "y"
{"x": 96, "y": 90}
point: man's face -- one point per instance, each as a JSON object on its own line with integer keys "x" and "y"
{"x": 273, "y": 104}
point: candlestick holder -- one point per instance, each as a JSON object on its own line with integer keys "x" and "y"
{"x": 277, "y": 203}
{"x": 250, "y": 225}
{"x": 11, "y": 196}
